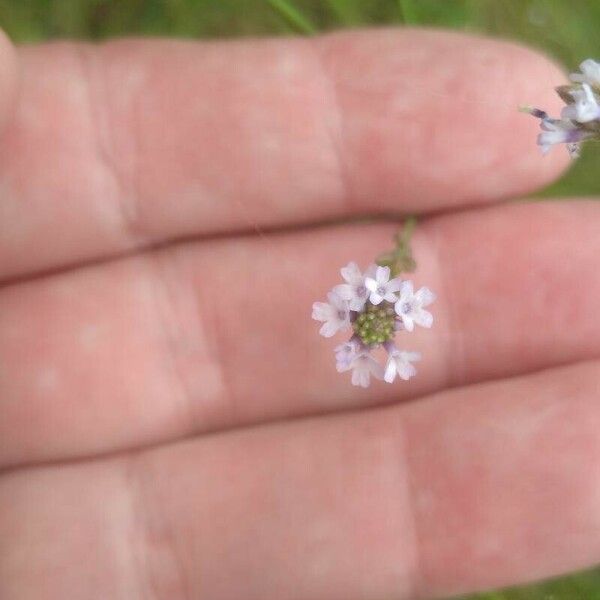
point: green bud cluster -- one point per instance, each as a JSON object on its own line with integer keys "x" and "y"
{"x": 375, "y": 325}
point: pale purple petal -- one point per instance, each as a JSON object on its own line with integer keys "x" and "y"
{"x": 585, "y": 108}
{"x": 351, "y": 273}
{"x": 335, "y": 315}
{"x": 590, "y": 73}
{"x": 423, "y": 318}
{"x": 329, "y": 329}
{"x": 406, "y": 290}
{"x": 371, "y": 270}
{"x": 408, "y": 322}
{"x": 425, "y": 296}
{"x": 376, "y": 298}
{"x": 406, "y": 370}
{"x": 390, "y": 371}
{"x": 371, "y": 284}
{"x": 382, "y": 275}
{"x": 337, "y": 301}
{"x": 363, "y": 367}
{"x": 344, "y": 290}
{"x": 321, "y": 311}
{"x": 346, "y": 353}
{"x": 376, "y": 369}
{"x": 390, "y": 297}
{"x": 400, "y": 363}
{"x": 360, "y": 378}
{"x": 394, "y": 285}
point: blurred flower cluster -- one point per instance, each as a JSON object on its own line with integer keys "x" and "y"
{"x": 374, "y": 306}
{"x": 580, "y": 118}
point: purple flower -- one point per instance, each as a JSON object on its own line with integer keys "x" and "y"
{"x": 335, "y": 314}
{"x": 411, "y": 306}
{"x": 354, "y": 290}
{"x": 382, "y": 287}
{"x": 399, "y": 364}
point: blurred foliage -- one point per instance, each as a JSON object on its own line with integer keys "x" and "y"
{"x": 566, "y": 29}
{"x": 584, "y": 586}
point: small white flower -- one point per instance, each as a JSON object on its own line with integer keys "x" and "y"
{"x": 585, "y": 108}
{"x": 382, "y": 287}
{"x": 346, "y": 353}
{"x": 363, "y": 366}
{"x": 354, "y": 290}
{"x": 335, "y": 314}
{"x": 559, "y": 132}
{"x": 400, "y": 363}
{"x": 590, "y": 73}
{"x": 410, "y": 306}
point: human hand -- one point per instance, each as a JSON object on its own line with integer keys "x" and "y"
{"x": 159, "y": 253}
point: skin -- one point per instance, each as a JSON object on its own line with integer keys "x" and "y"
{"x": 172, "y": 426}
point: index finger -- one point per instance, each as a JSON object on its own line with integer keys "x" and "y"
{"x": 134, "y": 143}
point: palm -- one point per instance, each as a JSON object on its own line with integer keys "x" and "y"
{"x": 141, "y": 317}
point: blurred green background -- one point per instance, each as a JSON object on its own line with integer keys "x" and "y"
{"x": 569, "y": 30}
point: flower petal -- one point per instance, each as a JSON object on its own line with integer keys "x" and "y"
{"x": 321, "y": 311}
{"x": 406, "y": 290}
{"x": 360, "y": 377}
{"x": 335, "y": 300}
{"x": 351, "y": 273}
{"x": 394, "y": 285}
{"x": 371, "y": 284}
{"x": 344, "y": 290}
{"x": 357, "y": 303}
{"x": 390, "y": 370}
{"x": 382, "y": 274}
{"x": 375, "y": 368}
{"x": 408, "y": 322}
{"x": 406, "y": 370}
{"x": 423, "y": 318}
{"x": 375, "y": 298}
{"x": 371, "y": 270}
{"x": 425, "y": 296}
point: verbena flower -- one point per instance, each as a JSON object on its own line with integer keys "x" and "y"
{"x": 335, "y": 314}
{"x": 354, "y": 290}
{"x": 363, "y": 365}
{"x": 382, "y": 287}
{"x": 376, "y": 307}
{"x": 561, "y": 132}
{"x": 585, "y": 106}
{"x": 346, "y": 353}
{"x": 580, "y": 118}
{"x": 410, "y": 307}
{"x": 590, "y": 73}
{"x": 399, "y": 363}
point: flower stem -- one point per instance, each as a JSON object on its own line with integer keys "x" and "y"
{"x": 400, "y": 259}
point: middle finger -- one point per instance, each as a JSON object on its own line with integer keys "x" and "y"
{"x": 205, "y": 336}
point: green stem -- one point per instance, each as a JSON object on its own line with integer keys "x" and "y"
{"x": 293, "y": 16}
{"x": 405, "y": 234}
{"x": 407, "y": 12}
{"x": 400, "y": 259}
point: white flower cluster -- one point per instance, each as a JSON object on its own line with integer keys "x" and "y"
{"x": 580, "y": 118}
{"x": 374, "y": 307}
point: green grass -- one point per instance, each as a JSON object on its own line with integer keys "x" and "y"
{"x": 568, "y": 30}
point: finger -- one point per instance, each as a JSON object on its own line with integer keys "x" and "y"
{"x": 133, "y": 143}
{"x": 150, "y": 349}
{"x": 474, "y": 488}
